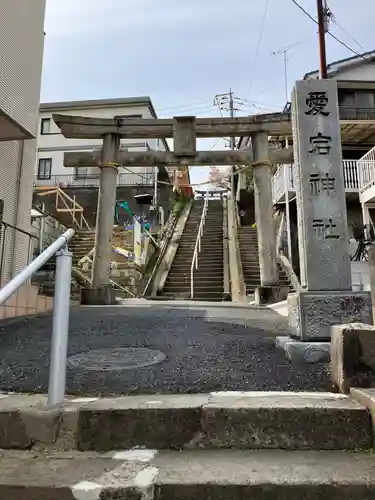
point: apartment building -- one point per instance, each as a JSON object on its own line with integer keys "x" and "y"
{"x": 356, "y": 96}
{"x": 82, "y": 184}
{"x": 355, "y": 78}
{"x": 21, "y": 56}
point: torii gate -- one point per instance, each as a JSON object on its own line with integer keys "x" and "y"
{"x": 184, "y": 130}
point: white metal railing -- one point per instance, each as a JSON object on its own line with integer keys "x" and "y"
{"x": 366, "y": 170}
{"x": 284, "y": 179}
{"x": 350, "y": 175}
{"x": 64, "y": 181}
{"x": 197, "y": 249}
{"x": 61, "y": 307}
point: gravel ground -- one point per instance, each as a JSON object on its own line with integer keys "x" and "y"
{"x": 207, "y": 348}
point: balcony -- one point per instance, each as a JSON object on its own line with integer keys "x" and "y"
{"x": 356, "y": 113}
{"x": 366, "y": 177}
{"x": 284, "y": 181}
{"x": 71, "y": 181}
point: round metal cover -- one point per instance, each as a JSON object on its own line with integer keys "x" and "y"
{"x": 122, "y": 358}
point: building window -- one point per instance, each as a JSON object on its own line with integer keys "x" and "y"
{"x": 87, "y": 173}
{"x": 45, "y": 126}
{"x": 44, "y": 168}
{"x": 80, "y": 173}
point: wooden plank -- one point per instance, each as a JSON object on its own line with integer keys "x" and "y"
{"x": 90, "y": 128}
{"x": 154, "y": 158}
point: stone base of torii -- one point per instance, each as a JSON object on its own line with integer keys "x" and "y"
{"x": 184, "y": 130}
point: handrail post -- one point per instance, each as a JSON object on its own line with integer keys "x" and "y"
{"x": 60, "y": 328}
{"x": 197, "y": 249}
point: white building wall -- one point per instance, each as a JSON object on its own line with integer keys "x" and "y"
{"x": 54, "y": 145}
{"x": 21, "y": 54}
{"x": 365, "y": 72}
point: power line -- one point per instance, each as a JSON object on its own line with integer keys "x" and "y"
{"x": 191, "y": 105}
{"x": 333, "y": 18}
{"x": 346, "y": 33}
{"x": 329, "y": 33}
{"x": 304, "y": 11}
{"x": 258, "y": 47}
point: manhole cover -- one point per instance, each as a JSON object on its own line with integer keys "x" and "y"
{"x": 122, "y": 358}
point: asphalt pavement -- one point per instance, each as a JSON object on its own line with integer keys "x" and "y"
{"x": 200, "y": 348}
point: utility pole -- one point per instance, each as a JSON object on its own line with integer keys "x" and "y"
{"x": 322, "y": 11}
{"x": 231, "y": 113}
{"x": 232, "y": 142}
{"x": 226, "y": 102}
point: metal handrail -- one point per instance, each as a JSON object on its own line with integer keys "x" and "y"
{"x": 4, "y": 227}
{"x": 197, "y": 249}
{"x": 61, "y": 308}
{"x": 8, "y": 290}
{"x": 162, "y": 249}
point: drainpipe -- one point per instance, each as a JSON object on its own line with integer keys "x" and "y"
{"x": 41, "y": 230}
{"x": 17, "y": 199}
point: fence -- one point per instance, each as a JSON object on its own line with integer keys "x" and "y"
{"x": 17, "y": 248}
{"x": 355, "y": 113}
{"x": 284, "y": 179}
{"x": 124, "y": 179}
{"x": 366, "y": 170}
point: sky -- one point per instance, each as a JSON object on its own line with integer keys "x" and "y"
{"x": 182, "y": 53}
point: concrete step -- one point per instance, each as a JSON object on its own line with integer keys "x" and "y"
{"x": 209, "y": 254}
{"x": 271, "y": 475}
{"x": 199, "y": 289}
{"x": 193, "y": 240}
{"x": 183, "y": 277}
{"x": 203, "y": 263}
{"x": 186, "y": 296}
{"x": 293, "y": 421}
{"x": 205, "y": 246}
{"x": 202, "y": 269}
{"x": 198, "y": 280}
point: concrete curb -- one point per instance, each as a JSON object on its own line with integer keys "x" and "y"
{"x": 304, "y": 352}
{"x": 224, "y": 420}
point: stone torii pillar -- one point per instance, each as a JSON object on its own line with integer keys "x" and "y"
{"x": 101, "y": 291}
{"x": 262, "y": 175}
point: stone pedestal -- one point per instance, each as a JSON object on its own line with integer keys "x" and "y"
{"x": 98, "y": 296}
{"x": 353, "y": 356}
{"x": 326, "y": 298}
{"x": 270, "y": 294}
{"x": 311, "y": 314}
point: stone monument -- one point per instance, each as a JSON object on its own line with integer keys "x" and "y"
{"x": 326, "y": 297}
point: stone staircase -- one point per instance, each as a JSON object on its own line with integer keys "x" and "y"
{"x": 125, "y": 273}
{"x": 208, "y": 279}
{"x": 250, "y": 260}
{"x": 80, "y": 246}
{"x": 218, "y": 446}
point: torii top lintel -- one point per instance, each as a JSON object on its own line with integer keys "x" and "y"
{"x": 78, "y": 127}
